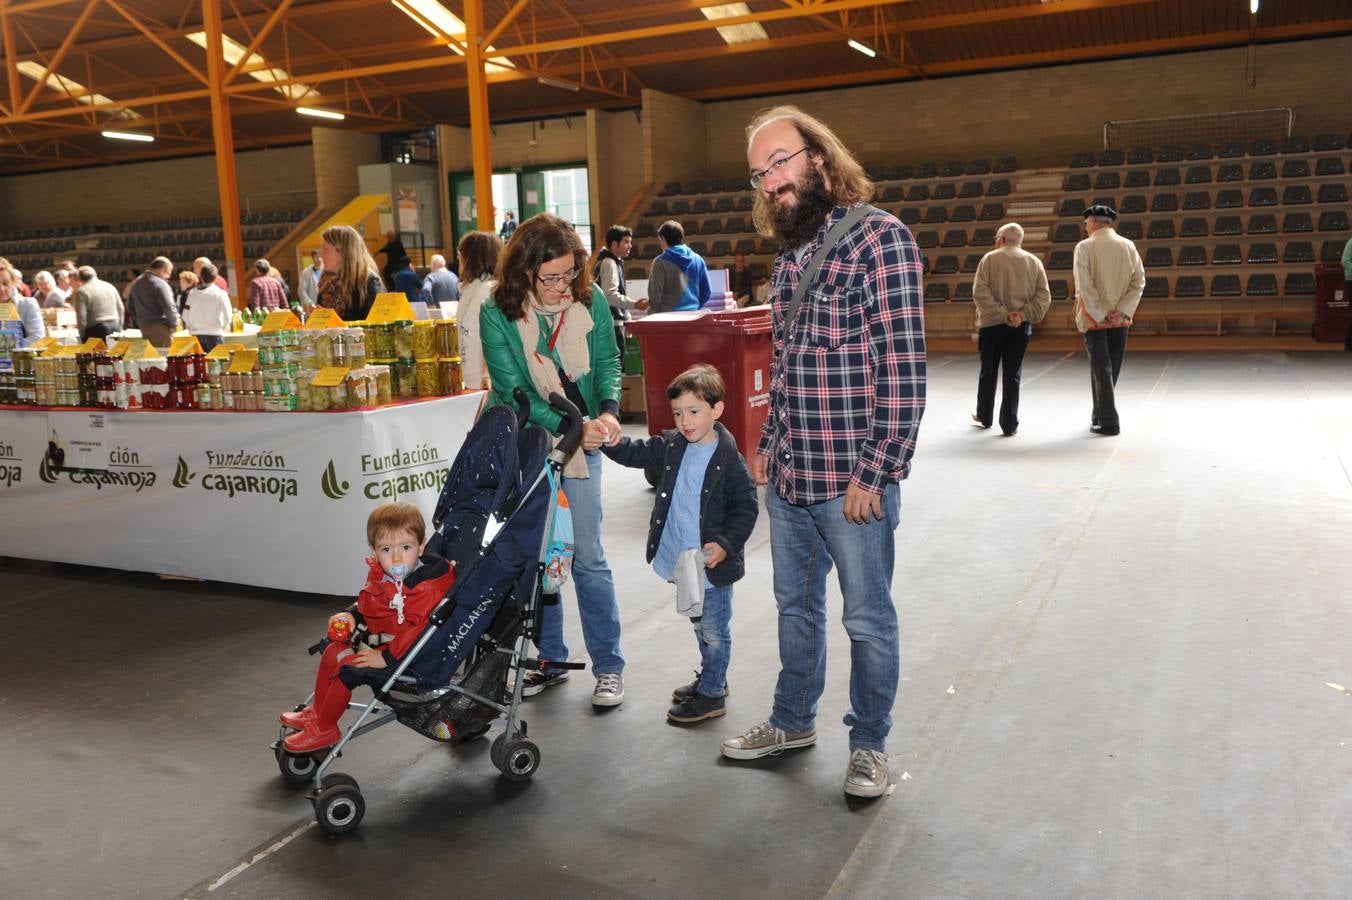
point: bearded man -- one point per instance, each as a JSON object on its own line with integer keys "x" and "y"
{"x": 847, "y": 390}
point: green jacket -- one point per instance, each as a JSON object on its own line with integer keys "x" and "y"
{"x": 506, "y": 361}
{"x": 1347, "y": 261}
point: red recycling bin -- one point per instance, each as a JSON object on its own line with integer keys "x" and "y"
{"x": 737, "y": 342}
{"x": 1331, "y": 312}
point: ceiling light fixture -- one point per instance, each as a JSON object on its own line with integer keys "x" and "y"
{"x": 862, "y": 48}
{"x": 256, "y": 67}
{"x": 561, "y": 85}
{"x": 130, "y": 136}
{"x": 1253, "y": 7}
{"x": 73, "y": 89}
{"x": 317, "y": 113}
{"x": 442, "y": 24}
{"x": 735, "y": 34}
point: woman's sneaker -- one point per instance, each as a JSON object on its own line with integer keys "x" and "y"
{"x": 686, "y": 690}
{"x": 697, "y": 707}
{"x": 766, "y": 740}
{"x": 537, "y": 681}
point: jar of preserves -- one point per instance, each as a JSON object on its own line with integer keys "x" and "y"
{"x": 403, "y": 340}
{"x": 424, "y": 340}
{"x": 384, "y": 388}
{"x": 379, "y": 340}
{"x": 451, "y": 382}
{"x": 405, "y": 382}
{"x": 338, "y": 398}
{"x": 355, "y": 344}
{"x": 428, "y": 377}
{"x": 448, "y": 338}
{"x": 358, "y": 389}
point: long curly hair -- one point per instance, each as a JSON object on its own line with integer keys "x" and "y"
{"x": 536, "y": 241}
{"x": 348, "y": 287}
{"x": 846, "y": 178}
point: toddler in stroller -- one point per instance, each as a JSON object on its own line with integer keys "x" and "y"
{"x": 402, "y": 589}
{"x": 461, "y": 666}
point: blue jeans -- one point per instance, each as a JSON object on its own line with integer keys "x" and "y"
{"x": 805, "y": 541}
{"x": 713, "y": 632}
{"x": 592, "y": 581}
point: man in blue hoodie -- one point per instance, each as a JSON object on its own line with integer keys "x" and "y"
{"x": 679, "y": 280}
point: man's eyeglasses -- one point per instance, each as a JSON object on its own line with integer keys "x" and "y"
{"x": 554, "y": 282}
{"x": 758, "y": 177}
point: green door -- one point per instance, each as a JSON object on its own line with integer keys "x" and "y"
{"x": 531, "y": 191}
{"x": 464, "y": 206}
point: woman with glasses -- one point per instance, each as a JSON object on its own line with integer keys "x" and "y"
{"x": 547, "y": 329}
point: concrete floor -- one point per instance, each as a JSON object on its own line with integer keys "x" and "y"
{"x": 1122, "y": 662}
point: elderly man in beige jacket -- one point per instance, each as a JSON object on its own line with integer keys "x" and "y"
{"x": 1109, "y": 278}
{"x": 1011, "y": 296}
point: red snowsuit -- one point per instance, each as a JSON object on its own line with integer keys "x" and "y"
{"x": 424, "y": 589}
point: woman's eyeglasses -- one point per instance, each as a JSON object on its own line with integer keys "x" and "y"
{"x": 555, "y": 282}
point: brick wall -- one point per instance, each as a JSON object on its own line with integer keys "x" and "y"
{"x": 615, "y": 152}
{"x": 1044, "y": 115}
{"x": 337, "y": 155}
{"x": 269, "y": 181}
{"x": 674, "y": 144}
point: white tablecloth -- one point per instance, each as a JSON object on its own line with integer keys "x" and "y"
{"x": 272, "y": 499}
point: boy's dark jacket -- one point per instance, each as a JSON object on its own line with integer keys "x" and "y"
{"x": 728, "y": 505}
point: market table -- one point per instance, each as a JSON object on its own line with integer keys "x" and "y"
{"x": 278, "y": 500}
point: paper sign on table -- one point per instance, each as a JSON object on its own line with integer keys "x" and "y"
{"x": 330, "y": 376}
{"x": 222, "y": 351}
{"x": 44, "y": 344}
{"x": 243, "y": 361}
{"x": 279, "y": 319}
{"x": 324, "y": 318}
{"x": 139, "y": 348}
{"x": 9, "y": 312}
{"x": 185, "y": 346}
{"x": 391, "y": 306}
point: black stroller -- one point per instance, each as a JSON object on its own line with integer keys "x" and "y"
{"x": 493, "y": 522}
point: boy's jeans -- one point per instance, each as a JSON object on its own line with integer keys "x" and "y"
{"x": 592, "y": 581}
{"x": 804, "y": 543}
{"x": 714, "y": 634}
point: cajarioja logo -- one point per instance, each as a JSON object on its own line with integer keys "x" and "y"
{"x": 333, "y": 488}
{"x": 125, "y": 469}
{"x": 182, "y": 477}
{"x": 267, "y": 474}
{"x": 11, "y": 472}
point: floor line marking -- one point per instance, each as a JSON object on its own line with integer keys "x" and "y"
{"x": 252, "y": 861}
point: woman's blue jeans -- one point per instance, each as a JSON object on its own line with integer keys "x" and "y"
{"x": 592, "y": 581}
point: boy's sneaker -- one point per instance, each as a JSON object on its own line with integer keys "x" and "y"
{"x": 686, "y": 690}
{"x": 697, "y": 707}
{"x": 538, "y": 681}
{"x": 609, "y": 690}
{"x": 765, "y": 740}
{"x": 867, "y": 774}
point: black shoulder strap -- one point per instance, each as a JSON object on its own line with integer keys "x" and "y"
{"x": 833, "y": 237}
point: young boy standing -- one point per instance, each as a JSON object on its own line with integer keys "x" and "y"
{"x": 705, "y": 510}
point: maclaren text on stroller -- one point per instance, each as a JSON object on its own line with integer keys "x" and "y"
{"x": 494, "y": 521}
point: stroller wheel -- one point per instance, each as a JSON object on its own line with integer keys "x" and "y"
{"x": 517, "y": 758}
{"x": 296, "y": 768}
{"x": 339, "y": 807}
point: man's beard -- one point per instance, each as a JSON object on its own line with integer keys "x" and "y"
{"x": 799, "y": 222}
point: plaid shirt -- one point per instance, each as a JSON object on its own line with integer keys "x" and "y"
{"x": 846, "y": 396}
{"x": 266, "y": 292}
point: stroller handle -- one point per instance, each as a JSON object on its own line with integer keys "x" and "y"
{"x": 571, "y": 424}
{"x": 522, "y": 406}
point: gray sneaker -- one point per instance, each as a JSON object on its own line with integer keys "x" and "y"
{"x": 867, "y": 774}
{"x": 609, "y": 690}
{"x": 765, "y": 740}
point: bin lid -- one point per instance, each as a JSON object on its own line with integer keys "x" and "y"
{"x": 751, "y": 320}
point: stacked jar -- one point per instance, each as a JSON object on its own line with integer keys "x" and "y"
{"x": 242, "y": 391}
{"x": 448, "y": 357}
{"x": 279, "y": 357}
{"x": 188, "y": 385}
{"x": 22, "y": 384}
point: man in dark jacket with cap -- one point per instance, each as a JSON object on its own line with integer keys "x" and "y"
{"x": 1109, "y": 278}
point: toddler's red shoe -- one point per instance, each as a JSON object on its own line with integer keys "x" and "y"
{"x": 314, "y": 737}
{"x": 299, "y": 718}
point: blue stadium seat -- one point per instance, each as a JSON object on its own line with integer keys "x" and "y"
{"x": 1334, "y": 192}
{"x": 1136, "y": 178}
{"x": 1189, "y": 286}
{"x": 1229, "y": 198}
{"x": 1166, "y": 176}
{"x": 1297, "y": 223}
{"x": 1107, "y": 181}
{"x": 1161, "y": 230}
{"x": 1159, "y": 257}
{"x": 1156, "y": 287}
{"x": 1192, "y": 228}
{"x": 1197, "y": 200}
{"x": 1262, "y": 224}
{"x": 1298, "y": 284}
{"x": 1296, "y": 168}
{"x": 1111, "y": 157}
{"x": 963, "y": 212}
{"x": 1059, "y": 289}
{"x": 1198, "y": 175}
{"x": 1262, "y": 254}
{"x": 1298, "y": 252}
{"x": 1141, "y": 156}
{"x": 1261, "y": 284}
{"x": 1225, "y": 286}
{"x": 1329, "y": 166}
{"x": 1075, "y": 181}
{"x": 1195, "y": 255}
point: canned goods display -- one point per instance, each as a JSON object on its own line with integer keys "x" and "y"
{"x": 379, "y": 341}
{"x": 384, "y": 388}
{"x": 338, "y": 395}
{"x": 428, "y": 377}
{"x": 354, "y": 343}
{"x": 358, "y": 389}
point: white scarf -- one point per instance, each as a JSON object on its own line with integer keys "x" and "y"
{"x": 573, "y": 322}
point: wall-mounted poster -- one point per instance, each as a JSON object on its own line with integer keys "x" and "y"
{"x": 408, "y": 209}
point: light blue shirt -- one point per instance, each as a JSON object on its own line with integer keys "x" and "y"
{"x": 30, "y": 315}
{"x": 682, "y": 529}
